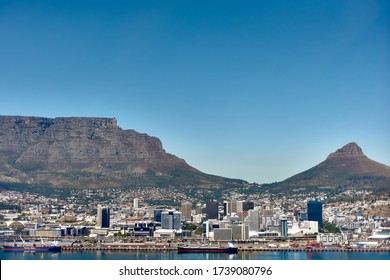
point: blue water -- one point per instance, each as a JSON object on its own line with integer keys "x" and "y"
{"x": 130, "y": 255}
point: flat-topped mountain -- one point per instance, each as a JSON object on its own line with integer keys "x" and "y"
{"x": 347, "y": 167}
{"x": 88, "y": 153}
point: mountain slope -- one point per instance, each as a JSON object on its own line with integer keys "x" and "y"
{"x": 347, "y": 167}
{"x": 88, "y": 153}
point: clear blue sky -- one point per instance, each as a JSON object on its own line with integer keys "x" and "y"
{"x": 257, "y": 90}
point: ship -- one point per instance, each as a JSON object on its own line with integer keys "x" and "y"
{"x": 32, "y": 247}
{"x": 230, "y": 249}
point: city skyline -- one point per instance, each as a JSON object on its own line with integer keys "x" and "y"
{"x": 259, "y": 91}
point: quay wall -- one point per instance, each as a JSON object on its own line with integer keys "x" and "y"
{"x": 244, "y": 249}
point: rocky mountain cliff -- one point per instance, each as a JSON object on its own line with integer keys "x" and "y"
{"x": 347, "y": 167}
{"x": 88, "y": 153}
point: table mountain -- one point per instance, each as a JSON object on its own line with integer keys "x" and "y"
{"x": 347, "y": 167}
{"x": 87, "y": 153}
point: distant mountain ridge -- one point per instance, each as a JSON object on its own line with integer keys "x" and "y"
{"x": 346, "y": 167}
{"x": 84, "y": 152}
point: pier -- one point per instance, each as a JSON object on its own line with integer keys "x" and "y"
{"x": 163, "y": 248}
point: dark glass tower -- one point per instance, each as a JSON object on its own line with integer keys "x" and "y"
{"x": 212, "y": 210}
{"x": 157, "y": 215}
{"x": 314, "y": 212}
{"x": 103, "y": 217}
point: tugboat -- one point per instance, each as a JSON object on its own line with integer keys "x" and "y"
{"x": 31, "y": 247}
{"x": 230, "y": 249}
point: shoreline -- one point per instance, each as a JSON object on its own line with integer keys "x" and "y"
{"x": 242, "y": 249}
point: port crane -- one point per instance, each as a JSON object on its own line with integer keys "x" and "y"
{"x": 344, "y": 237}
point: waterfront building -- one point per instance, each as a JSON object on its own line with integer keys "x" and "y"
{"x": 268, "y": 234}
{"x": 305, "y": 227}
{"x": 253, "y": 221}
{"x": 209, "y": 226}
{"x": 75, "y": 230}
{"x": 103, "y": 217}
{"x": 283, "y": 226}
{"x": 171, "y": 220}
{"x": 380, "y": 235}
{"x": 314, "y": 211}
{"x": 144, "y": 229}
{"x": 239, "y": 231}
{"x": 223, "y": 234}
{"x": 47, "y": 232}
{"x": 164, "y": 233}
{"x": 329, "y": 239}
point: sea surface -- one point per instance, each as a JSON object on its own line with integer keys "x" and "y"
{"x": 173, "y": 255}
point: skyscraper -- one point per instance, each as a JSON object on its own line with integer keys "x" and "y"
{"x": 186, "y": 208}
{"x": 314, "y": 211}
{"x": 171, "y": 220}
{"x": 212, "y": 210}
{"x": 226, "y": 208}
{"x": 248, "y": 205}
{"x": 253, "y": 220}
{"x": 157, "y": 214}
{"x": 103, "y": 217}
{"x": 283, "y": 226}
{"x": 233, "y": 206}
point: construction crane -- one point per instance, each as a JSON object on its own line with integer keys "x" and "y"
{"x": 344, "y": 237}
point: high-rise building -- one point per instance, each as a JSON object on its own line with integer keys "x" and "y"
{"x": 239, "y": 206}
{"x": 283, "y": 226}
{"x": 212, "y": 210}
{"x": 186, "y": 208}
{"x": 248, "y": 205}
{"x": 157, "y": 214}
{"x": 171, "y": 220}
{"x": 103, "y": 217}
{"x": 253, "y": 220}
{"x": 239, "y": 231}
{"x": 267, "y": 218}
{"x": 226, "y": 208}
{"x": 314, "y": 211}
{"x": 233, "y": 206}
{"x": 135, "y": 203}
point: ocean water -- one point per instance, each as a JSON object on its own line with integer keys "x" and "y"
{"x": 173, "y": 255}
